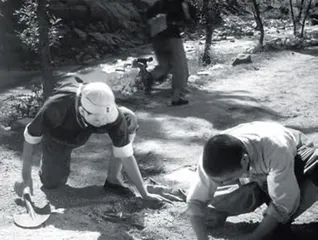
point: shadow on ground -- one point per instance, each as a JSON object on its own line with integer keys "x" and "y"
{"x": 110, "y": 215}
{"x": 306, "y": 130}
{"x": 12, "y": 140}
{"x": 219, "y": 108}
{"x": 305, "y": 231}
{"x": 312, "y": 51}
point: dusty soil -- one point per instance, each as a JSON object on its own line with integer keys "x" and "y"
{"x": 280, "y": 86}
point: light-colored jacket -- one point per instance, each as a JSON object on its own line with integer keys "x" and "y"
{"x": 272, "y": 149}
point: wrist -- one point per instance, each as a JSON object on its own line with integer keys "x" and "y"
{"x": 144, "y": 193}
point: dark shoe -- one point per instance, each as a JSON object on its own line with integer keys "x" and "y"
{"x": 179, "y": 102}
{"x": 161, "y": 79}
{"x": 148, "y": 82}
{"x": 118, "y": 189}
{"x": 148, "y": 91}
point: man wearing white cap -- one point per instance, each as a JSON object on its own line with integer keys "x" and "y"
{"x": 66, "y": 121}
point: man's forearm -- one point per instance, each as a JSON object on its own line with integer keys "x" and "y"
{"x": 266, "y": 227}
{"x": 132, "y": 169}
{"x": 27, "y": 160}
{"x": 199, "y": 227}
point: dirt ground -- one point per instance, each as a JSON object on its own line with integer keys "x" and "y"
{"x": 280, "y": 86}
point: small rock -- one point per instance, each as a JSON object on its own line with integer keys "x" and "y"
{"x": 241, "y": 59}
{"x": 206, "y": 73}
{"x": 231, "y": 39}
{"x": 193, "y": 78}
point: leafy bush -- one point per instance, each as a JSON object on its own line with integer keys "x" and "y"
{"x": 21, "y": 106}
{"x": 28, "y": 20}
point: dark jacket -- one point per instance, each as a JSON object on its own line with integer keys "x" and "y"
{"x": 175, "y": 16}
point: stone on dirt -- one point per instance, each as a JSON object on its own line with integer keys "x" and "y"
{"x": 242, "y": 58}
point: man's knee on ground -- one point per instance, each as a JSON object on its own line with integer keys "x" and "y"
{"x": 50, "y": 182}
{"x": 215, "y": 218}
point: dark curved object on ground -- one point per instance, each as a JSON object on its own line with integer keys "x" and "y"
{"x": 144, "y": 60}
{"x": 34, "y": 217}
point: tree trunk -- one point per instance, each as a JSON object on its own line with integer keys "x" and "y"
{"x": 304, "y": 19}
{"x": 206, "y": 57}
{"x": 259, "y": 21}
{"x": 300, "y": 10}
{"x": 292, "y": 16}
{"x": 44, "y": 48}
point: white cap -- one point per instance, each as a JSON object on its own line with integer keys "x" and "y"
{"x": 98, "y": 98}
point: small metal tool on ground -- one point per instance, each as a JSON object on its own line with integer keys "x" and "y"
{"x": 34, "y": 217}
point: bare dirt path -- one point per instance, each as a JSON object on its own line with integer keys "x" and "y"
{"x": 279, "y": 86}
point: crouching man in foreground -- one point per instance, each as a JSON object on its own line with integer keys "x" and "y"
{"x": 66, "y": 121}
{"x": 278, "y": 166}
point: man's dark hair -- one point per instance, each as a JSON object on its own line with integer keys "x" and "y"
{"x": 222, "y": 154}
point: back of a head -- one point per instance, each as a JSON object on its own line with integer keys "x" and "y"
{"x": 222, "y": 154}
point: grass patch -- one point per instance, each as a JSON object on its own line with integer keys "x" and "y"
{"x": 150, "y": 164}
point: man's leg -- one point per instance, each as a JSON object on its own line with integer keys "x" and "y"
{"x": 307, "y": 182}
{"x": 309, "y": 195}
{"x": 180, "y": 72}
{"x": 162, "y": 52}
{"x": 55, "y": 164}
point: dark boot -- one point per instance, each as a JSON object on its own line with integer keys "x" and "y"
{"x": 148, "y": 82}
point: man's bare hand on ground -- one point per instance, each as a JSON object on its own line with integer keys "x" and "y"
{"x": 19, "y": 187}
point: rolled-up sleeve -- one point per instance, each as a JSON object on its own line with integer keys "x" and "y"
{"x": 122, "y": 132}
{"x": 30, "y": 138}
{"x": 201, "y": 191}
{"x": 282, "y": 185}
{"x": 33, "y": 132}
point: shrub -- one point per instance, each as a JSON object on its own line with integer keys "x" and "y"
{"x": 28, "y": 20}
{"x": 21, "y": 106}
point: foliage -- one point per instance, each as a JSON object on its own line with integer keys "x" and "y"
{"x": 28, "y": 20}
{"x": 289, "y": 43}
{"x": 300, "y": 19}
{"x": 22, "y": 105}
{"x": 258, "y": 20}
{"x": 209, "y": 11}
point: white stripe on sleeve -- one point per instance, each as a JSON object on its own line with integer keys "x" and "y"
{"x": 123, "y": 152}
{"x": 29, "y": 138}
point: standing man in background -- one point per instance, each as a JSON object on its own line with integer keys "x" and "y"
{"x": 165, "y": 18}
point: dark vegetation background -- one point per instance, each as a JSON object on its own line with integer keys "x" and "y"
{"x": 92, "y": 29}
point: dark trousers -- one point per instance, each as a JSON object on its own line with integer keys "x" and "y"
{"x": 172, "y": 59}
{"x": 55, "y": 163}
